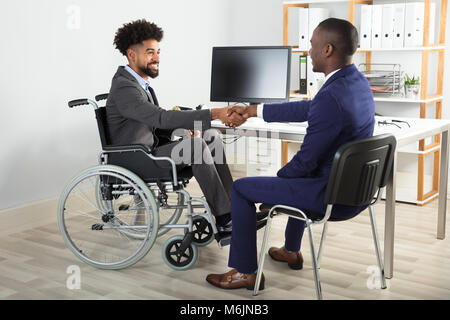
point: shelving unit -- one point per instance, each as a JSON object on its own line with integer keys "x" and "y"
{"x": 425, "y": 99}
{"x": 363, "y": 50}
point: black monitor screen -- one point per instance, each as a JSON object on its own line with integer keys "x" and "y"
{"x": 250, "y": 74}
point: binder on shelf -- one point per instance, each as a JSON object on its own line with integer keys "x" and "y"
{"x": 399, "y": 25}
{"x": 387, "y": 25}
{"x": 315, "y": 79}
{"x": 315, "y": 16}
{"x": 303, "y": 22}
{"x": 414, "y": 23}
{"x": 366, "y": 27}
{"x": 377, "y": 12}
{"x": 303, "y": 75}
{"x": 414, "y": 14}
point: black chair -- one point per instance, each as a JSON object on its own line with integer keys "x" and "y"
{"x": 359, "y": 170}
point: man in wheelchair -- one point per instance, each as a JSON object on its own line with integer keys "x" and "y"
{"x": 135, "y": 117}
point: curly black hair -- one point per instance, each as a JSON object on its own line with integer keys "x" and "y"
{"x": 135, "y": 32}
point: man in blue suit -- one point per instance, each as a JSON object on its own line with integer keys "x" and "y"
{"x": 343, "y": 110}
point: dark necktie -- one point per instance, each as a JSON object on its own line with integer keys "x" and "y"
{"x": 152, "y": 92}
{"x": 155, "y": 101}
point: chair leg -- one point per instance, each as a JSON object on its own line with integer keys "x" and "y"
{"x": 322, "y": 241}
{"x": 262, "y": 255}
{"x": 377, "y": 247}
{"x": 314, "y": 261}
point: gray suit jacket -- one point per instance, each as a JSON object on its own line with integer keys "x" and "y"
{"x": 134, "y": 117}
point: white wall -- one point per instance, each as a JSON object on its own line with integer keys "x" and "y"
{"x": 44, "y": 64}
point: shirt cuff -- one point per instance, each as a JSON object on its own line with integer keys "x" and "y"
{"x": 259, "y": 110}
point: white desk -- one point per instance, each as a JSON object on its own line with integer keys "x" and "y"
{"x": 420, "y": 129}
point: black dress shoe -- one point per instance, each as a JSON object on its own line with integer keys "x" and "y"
{"x": 225, "y": 228}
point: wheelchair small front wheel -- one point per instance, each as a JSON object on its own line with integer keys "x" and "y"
{"x": 175, "y": 257}
{"x": 203, "y": 233}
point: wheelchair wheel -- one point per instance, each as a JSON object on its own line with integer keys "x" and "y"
{"x": 176, "y": 259}
{"x": 170, "y": 212}
{"x": 106, "y": 234}
{"x": 203, "y": 233}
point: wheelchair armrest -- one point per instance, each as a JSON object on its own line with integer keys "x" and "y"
{"x": 147, "y": 150}
{"x": 129, "y": 147}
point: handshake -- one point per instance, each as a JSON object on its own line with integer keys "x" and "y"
{"x": 233, "y": 116}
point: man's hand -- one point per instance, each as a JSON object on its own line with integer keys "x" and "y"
{"x": 194, "y": 133}
{"x": 231, "y": 119}
{"x": 245, "y": 112}
{"x": 234, "y": 119}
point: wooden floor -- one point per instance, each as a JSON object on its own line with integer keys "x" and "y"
{"x": 34, "y": 262}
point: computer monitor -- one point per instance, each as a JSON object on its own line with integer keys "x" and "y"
{"x": 251, "y": 74}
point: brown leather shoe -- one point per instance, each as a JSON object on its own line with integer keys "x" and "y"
{"x": 235, "y": 280}
{"x": 293, "y": 259}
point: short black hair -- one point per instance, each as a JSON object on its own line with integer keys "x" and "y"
{"x": 344, "y": 35}
{"x": 134, "y": 33}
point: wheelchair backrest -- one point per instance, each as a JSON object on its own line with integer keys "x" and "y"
{"x": 100, "y": 114}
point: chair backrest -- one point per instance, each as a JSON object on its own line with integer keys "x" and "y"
{"x": 360, "y": 168}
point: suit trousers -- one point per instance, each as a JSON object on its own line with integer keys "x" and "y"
{"x": 246, "y": 192}
{"x": 207, "y": 157}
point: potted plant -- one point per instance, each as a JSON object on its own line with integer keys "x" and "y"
{"x": 412, "y": 87}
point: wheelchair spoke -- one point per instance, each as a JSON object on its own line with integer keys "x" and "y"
{"x": 185, "y": 255}
{"x": 85, "y": 198}
{"x": 95, "y": 229}
{"x": 87, "y": 215}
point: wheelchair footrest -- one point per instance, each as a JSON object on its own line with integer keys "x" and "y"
{"x": 224, "y": 238}
{"x": 124, "y": 207}
{"x": 97, "y": 226}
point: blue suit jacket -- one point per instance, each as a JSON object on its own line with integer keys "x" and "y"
{"x": 343, "y": 110}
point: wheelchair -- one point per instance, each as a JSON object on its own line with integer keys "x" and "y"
{"x": 111, "y": 214}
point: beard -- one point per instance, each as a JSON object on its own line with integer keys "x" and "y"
{"x": 152, "y": 74}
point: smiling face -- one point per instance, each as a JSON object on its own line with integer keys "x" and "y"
{"x": 144, "y": 58}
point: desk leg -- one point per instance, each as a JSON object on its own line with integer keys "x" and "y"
{"x": 443, "y": 186}
{"x": 389, "y": 225}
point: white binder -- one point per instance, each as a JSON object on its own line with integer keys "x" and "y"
{"x": 399, "y": 25}
{"x": 303, "y": 21}
{"x": 315, "y": 16}
{"x": 315, "y": 79}
{"x": 414, "y": 20}
{"x": 365, "y": 34}
{"x": 377, "y": 12}
{"x": 414, "y": 14}
{"x": 387, "y": 25}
